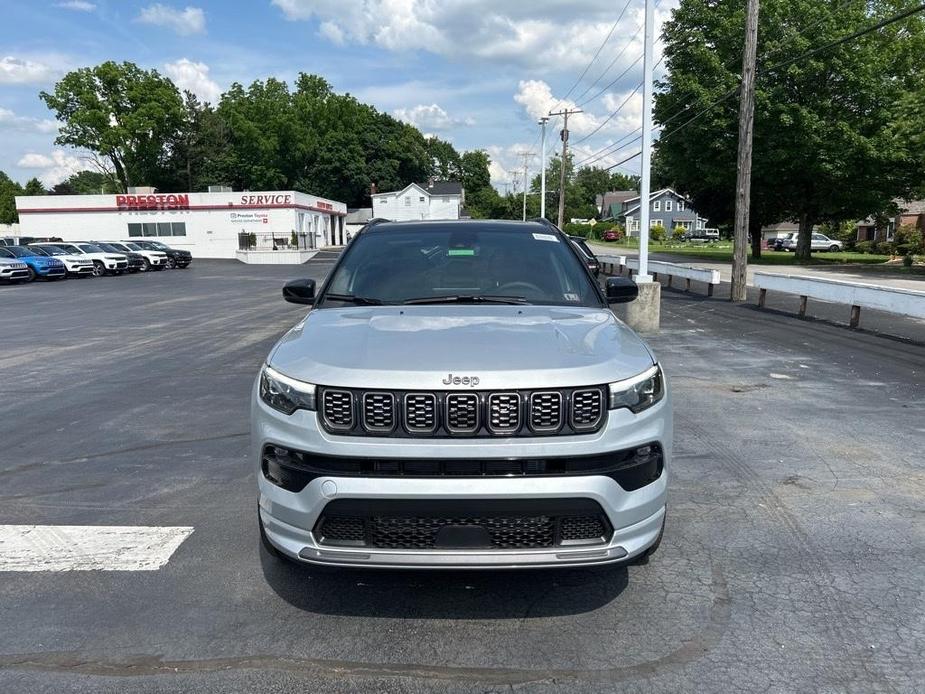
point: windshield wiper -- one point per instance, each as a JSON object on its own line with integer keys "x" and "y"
{"x": 350, "y": 298}
{"x": 467, "y": 299}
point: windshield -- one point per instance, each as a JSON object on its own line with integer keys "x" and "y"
{"x": 19, "y": 251}
{"x": 131, "y": 246}
{"x": 450, "y": 263}
{"x": 68, "y": 248}
{"x": 90, "y": 248}
{"x": 155, "y": 245}
{"x": 52, "y": 250}
{"x": 110, "y": 247}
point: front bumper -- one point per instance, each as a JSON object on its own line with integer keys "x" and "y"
{"x": 635, "y": 516}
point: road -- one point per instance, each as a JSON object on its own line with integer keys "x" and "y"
{"x": 848, "y": 272}
{"x": 793, "y": 558}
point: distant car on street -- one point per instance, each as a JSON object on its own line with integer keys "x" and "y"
{"x": 611, "y": 235}
{"x": 777, "y": 243}
{"x": 39, "y": 265}
{"x": 819, "y": 242}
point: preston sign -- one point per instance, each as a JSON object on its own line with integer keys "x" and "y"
{"x": 153, "y": 202}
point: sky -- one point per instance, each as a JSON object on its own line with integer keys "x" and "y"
{"x": 478, "y": 73}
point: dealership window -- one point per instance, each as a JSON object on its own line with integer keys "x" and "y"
{"x": 156, "y": 229}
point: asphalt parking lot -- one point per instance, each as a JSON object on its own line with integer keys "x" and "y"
{"x": 794, "y": 556}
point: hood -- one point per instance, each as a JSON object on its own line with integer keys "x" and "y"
{"x": 417, "y": 347}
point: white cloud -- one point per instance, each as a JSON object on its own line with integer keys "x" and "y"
{"x": 77, "y": 5}
{"x": 9, "y": 120}
{"x": 191, "y": 20}
{"x": 545, "y": 34}
{"x": 432, "y": 117}
{"x": 193, "y": 77}
{"x": 21, "y": 71}
{"x": 53, "y": 168}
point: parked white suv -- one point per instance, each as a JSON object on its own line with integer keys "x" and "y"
{"x": 819, "y": 242}
{"x": 103, "y": 262}
{"x": 154, "y": 260}
{"x": 12, "y": 270}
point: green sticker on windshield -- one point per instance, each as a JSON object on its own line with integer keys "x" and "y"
{"x": 461, "y": 251}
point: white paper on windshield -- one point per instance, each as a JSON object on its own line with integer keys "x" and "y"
{"x": 546, "y": 237}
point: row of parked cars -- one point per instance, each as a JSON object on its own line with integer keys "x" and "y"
{"x": 56, "y": 260}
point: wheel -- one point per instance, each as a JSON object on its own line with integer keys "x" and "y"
{"x": 145, "y": 265}
{"x": 171, "y": 263}
{"x": 32, "y": 275}
{"x": 833, "y": 249}
{"x": 98, "y": 268}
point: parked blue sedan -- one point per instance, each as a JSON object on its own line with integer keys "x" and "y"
{"x": 39, "y": 265}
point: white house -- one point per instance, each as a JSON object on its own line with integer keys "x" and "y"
{"x": 440, "y": 200}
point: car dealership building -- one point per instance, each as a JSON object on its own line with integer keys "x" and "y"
{"x": 274, "y": 226}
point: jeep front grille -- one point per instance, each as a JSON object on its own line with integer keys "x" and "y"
{"x": 562, "y": 411}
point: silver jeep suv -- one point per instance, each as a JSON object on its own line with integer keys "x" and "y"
{"x": 461, "y": 396}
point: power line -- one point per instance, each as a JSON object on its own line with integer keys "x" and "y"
{"x": 611, "y": 116}
{"x": 614, "y": 81}
{"x": 617, "y": 57}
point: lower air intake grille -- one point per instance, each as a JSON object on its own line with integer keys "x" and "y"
{"x": 433, "y": 530}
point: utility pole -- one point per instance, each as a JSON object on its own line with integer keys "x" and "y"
{"x": 645, "y": 184}
{"x": 526, "y": 156}
{"x": 543, "y": 121}
{"x": 744, "y": 165}
{"x": 565, "y": 113}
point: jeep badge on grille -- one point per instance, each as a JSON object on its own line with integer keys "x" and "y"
{"x": 452, "y": 380}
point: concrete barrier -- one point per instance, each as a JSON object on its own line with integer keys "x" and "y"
{"x": 619, "y": 263}
{"x": 906, "y": 302}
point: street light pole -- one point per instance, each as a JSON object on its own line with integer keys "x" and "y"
{"x": 645, "y": 184}
{"x": 543, "y": 121}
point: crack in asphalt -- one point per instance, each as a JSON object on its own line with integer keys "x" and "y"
{"x": 690, "y": 650}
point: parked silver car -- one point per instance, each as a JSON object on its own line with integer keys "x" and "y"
{"x": 820, "y": 242}
{"x": 461, "y": 396}
{"x": 13, "y": 270}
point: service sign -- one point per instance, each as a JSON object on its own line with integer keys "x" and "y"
{"x": 153, "y": 202}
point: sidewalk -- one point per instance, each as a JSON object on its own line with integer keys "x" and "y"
{"x": 850, "y": 272}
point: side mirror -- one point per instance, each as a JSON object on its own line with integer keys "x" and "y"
{"x": 300, "y": 292}
{"x": 620, "y": 290}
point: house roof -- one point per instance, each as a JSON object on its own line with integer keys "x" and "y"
{"x": 445, "y": 188}
{"x": 911, "y": 206}
{"x": 654, "y": 196}
{"x": 438, "y": 188}
{"x": 615, "y": 196}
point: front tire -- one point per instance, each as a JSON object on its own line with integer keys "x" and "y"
{"x": 98, "y": 268}
{"x": 145, "y": 265}
{"x": 834, "y": 249}
{"x": 643, "y": 558}
{"x": 32, "y": 275}
{"x": 171, "y": 264}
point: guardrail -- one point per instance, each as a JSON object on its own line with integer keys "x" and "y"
{"x": 858, "y": 295}
{"x": 619, "y": 263}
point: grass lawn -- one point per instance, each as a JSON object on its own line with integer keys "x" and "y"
{"x": 722, "y": 252}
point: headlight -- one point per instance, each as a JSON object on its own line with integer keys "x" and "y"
{"x": 640, "y": 392}
{"x": 285, "y": 394}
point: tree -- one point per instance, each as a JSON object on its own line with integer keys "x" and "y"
{"x": 120, "y": 112}
{"x": 86, "y": 183}
{"x": 9, "y": 189}
{"x": 826, "y": 145}
{"x": 34, "y": 187}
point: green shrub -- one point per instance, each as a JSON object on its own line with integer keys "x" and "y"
{"x": 657, "y": 233}
{"x": 583, "y": 230}
{"x": 863, "y": 246}
{"x": 908, "y": 239}
{"x": 678, "y": 233}
{"x": 907, "y": 260}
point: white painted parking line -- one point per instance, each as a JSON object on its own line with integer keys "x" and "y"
{"x": 88, "y": 547}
